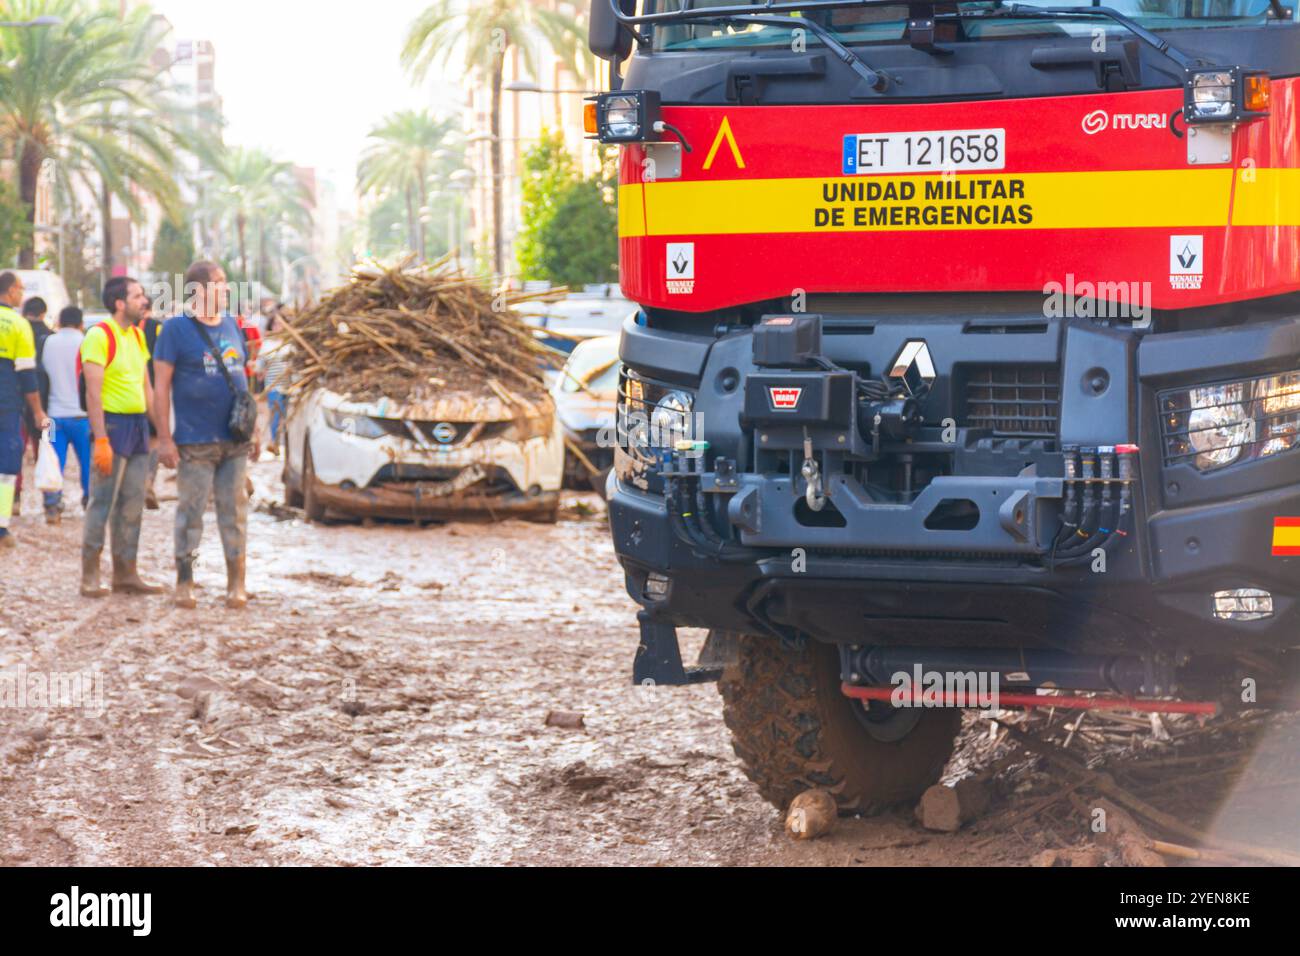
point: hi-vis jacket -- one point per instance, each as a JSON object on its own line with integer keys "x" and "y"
{"x": 17, "y": 360}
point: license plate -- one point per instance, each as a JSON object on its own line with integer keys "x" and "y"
{"x": 937, "y": 151}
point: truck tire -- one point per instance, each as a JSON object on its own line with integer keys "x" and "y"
{"x": 793, "y": 729}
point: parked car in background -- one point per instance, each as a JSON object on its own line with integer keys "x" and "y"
{"x": 597, "y": 310}
{"x": 451, "y": 458}
{"x": 586, "y": 400}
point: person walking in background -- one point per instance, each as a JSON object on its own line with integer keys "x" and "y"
{"x": 34, "y": 311}
{"x": 201, "y": 364}
{"x": 274, "y": 364}
{"x": 71, "y": 426}
{"x": 119, "y": 404}
{"x": 18, "y": 387}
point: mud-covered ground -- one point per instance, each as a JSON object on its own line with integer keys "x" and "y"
{"x": 384, "y": 701}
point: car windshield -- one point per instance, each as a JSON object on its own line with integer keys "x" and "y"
{"x": 887, "y": 24}
{"x": 594, "y": 366}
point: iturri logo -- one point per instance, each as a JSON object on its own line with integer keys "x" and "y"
{"x": 785, "y": 399}
{"x": 1098, "y": 121}
{"x": 1095, "y": 122}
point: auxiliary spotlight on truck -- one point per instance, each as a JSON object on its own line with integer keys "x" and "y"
{"x": 864, "y": 430}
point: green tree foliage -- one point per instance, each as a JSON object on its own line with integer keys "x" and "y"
{"x": 481, "y": 33}
{"x": 570, "y": 227}
{"x": 83, "y": 96}
{"x": 174, "y": 249}
{"x": 15, "y": 230}
{"x": 407, "y": 153}
{"x": 548, "y": 168}
{"x": 254, "y": 191}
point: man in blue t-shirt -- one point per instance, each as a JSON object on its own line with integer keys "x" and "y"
{"x": 188, "y": 378}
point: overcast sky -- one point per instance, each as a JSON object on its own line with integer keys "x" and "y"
{"x": 307, "y": 80}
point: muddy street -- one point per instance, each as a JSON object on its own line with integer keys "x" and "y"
{"x": 385, "y": 700}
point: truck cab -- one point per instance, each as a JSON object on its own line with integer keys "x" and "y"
{"x": 969, "y": 344}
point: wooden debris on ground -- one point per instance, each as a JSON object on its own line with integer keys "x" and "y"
{"x": 415, "y": 334}
{"x": 812, "y": 814}
{"x": 946, "y": 808}
{"x": 1159, "y": 785}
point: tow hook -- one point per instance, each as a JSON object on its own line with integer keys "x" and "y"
{"x": 812, "y": 474}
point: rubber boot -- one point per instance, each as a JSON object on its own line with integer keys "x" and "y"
{"x": 185, "y": 586}
{"x": 90, "y": 586}
{"x": 127, "y": 580}
{"x": 236, "y": 596}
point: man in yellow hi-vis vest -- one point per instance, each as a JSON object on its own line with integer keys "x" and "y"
{"x": 119, "y": 403}
{"x": 18, "y": 385}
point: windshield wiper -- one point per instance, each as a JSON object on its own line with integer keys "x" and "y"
{"x": 745, "y": 9}
{"x": 1024, "y": 11}
{"x": 875, "y": 79}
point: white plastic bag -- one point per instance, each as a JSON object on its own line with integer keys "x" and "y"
{"x": 49, "y": 476}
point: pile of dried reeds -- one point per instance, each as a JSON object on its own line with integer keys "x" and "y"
{"x": 414, "y": 334}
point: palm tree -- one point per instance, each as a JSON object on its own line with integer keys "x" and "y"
{"x": 406, "y": 149}
{"x": 84, "y": 97}
{"x": 482, "y": 32}
{"x": 253, "y": 188}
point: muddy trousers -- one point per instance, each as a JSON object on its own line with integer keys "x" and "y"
{"x": 117, "y": 502}
{"x": 217, "y": 471}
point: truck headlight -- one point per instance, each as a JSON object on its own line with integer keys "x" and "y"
{"x": 671, "y": 420}
{"x": 1225, "y": 95}
{"x": 1214, "y": 426}
{"x": 626, "y": 116}
{"x": 359, "y": 426}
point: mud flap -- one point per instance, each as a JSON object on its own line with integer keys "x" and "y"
{"x": 659, "y": 658}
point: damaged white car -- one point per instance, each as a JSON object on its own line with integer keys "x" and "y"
{"x": 452, "y": 458}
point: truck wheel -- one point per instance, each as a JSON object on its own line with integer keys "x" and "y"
{"x": 310, "y": 502}
{"x": 794, "y": 730}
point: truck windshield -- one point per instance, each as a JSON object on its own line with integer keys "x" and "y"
{"x": 886, "y": 24}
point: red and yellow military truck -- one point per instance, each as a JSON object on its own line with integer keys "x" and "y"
{"x": 969, "y": 346}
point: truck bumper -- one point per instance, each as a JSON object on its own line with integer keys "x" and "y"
{"x": 880, "y": 576}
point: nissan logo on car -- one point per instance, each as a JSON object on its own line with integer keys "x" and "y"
{"x": 444, "y": 433}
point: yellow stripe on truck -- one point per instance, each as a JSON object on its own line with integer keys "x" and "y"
{"x": 1267, "y": 197}
{"x": 631, "y": 210}
{"x": 1172, "y": 198}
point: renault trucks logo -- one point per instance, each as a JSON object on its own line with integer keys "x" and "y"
{"x": 914, "y": 367}
{"x": 1098, "y": 121}
{"x": 681, "y": 268}
{"x": 1186, "y": 262}
{"x": 785, "y": 399}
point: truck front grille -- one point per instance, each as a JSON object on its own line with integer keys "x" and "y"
{"x": 1014, "y": 401}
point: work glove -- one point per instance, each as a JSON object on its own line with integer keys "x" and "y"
{"x": 103, "y": 457}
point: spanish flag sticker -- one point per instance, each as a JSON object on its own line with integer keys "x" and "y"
{"x": 1286, "y": 537}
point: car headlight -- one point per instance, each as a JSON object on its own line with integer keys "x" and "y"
{"x": 1214, "y": 426}
{"x": 359, "y": 426}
